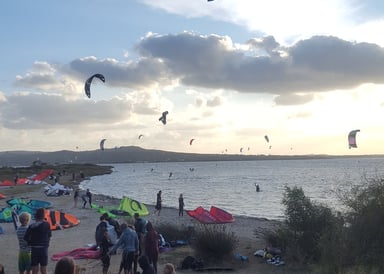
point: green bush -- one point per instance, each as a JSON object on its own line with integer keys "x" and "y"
{"x": 173, "y": 232}
{"x": 365, "y": 221}
{"x": 305, "y": 224}
{"x": 214, "y": 243}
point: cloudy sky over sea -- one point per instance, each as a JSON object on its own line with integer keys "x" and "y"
{"x": 303, "y": 72}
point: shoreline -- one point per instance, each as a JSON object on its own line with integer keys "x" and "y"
{"x": 83, "y": 234}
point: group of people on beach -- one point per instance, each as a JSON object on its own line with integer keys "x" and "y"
{"x": 158, "y": 205}
{"x": 33, "y": 243}
{"x": 139, "y": 243}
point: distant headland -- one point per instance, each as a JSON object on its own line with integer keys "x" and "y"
{"x": 134, "y": 154}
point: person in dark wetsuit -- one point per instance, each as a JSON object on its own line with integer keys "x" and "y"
{"x": 158, "y": 203}
{"x": 104, "y": 251}
{"x": 181, "y": 205}
{"x": 257, "y": 187}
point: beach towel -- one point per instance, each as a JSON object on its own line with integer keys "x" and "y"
{"x": 79, "y": 253}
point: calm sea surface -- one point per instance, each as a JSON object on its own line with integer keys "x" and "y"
{"x": 231, "y": 185}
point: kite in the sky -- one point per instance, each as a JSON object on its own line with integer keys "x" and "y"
{"x": 191, "y": 141}
{"x": 163, "y": 117}
{"x": 266, "y": 138}
{"x": 352, "y": 138}
{"x": 87, "y": 86}
{"x": 141, "y": 136}
{"x": 102, "y": 143}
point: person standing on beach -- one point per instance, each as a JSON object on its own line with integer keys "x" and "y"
{"x": 24, "y": 249}
{"x": 75, "y": 197}
{"x": 140, "y": 229}
{"x": 38, "y": 236}
{"x": 104, "y": 251}
{"x": 100, "y": 228}
{"x": 88, "y": 195}
{"x": 158, "y": 203}
{"x": 130, "y": 244}
{"x": 181, "y": 205}
{"x": 151, "y": 245}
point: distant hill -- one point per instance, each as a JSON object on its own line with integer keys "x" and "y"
{"x": 129, "y": 154}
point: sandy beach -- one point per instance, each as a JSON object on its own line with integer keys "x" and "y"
{"x": 83, "y": 235}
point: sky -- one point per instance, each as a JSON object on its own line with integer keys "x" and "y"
{"x": 229, "y": 72}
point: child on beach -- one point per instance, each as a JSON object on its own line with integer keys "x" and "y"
{"x": 24, "y": 260}
{"x": 65, "y": 265}
{"x": 169, "y": 269}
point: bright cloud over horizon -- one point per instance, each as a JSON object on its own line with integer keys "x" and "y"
{"x": 229, "y": 72}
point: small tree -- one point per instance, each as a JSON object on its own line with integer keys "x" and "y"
{"x": 306, "y": 222}
{"x": 365, "y": 219}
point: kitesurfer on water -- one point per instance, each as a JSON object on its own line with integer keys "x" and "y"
{"x": 257, "y": 187}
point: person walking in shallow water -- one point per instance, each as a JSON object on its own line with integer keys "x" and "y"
{"x": 158, "y": 203}
{"x": 181, "y": 205}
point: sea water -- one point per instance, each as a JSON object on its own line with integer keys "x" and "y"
{"x": 230, "y": 185}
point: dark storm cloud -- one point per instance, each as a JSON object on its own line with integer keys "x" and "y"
{"x": 320, "y": 63}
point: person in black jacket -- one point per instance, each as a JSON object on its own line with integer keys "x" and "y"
{"x": 38, "y": 236}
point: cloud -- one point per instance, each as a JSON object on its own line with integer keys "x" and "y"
{"x": 293, "y": 99}
{"x": 140, "y": 74}
{"x": 317, "y": 64}
{"x": 42, "y": 111}
{"x": 41, "y": 76}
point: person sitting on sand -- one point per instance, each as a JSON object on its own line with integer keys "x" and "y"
{"x": 65, "y": 265}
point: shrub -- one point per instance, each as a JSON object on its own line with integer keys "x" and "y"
{"x": 173, "y": 232}
{"x": 306, "y": 222}
{"x": 214, "y": 243}
{"x": 365, "y": 220}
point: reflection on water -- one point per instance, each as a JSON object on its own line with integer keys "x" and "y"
{"x": 231, "y": 185}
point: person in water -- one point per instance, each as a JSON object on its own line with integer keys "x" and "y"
{"x": 158, "y": 203}
{"x": 257, "y": 187}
